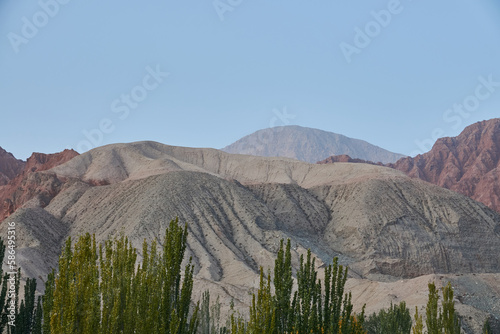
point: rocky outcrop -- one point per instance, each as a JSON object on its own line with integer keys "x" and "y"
{"x": 39, "y": 162}
{"x": 345, "y": 158}
{"x": 380, "y": 220}
{"x": 387, "y": 227}
{"x": 468, "y": 164}
{"x": 31, "y": 184}
{"x": 308, "y": 145}
{"x": 10, "y": 167}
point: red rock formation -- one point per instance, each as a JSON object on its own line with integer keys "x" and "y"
{"x": 345, "y": 158}
{"x": 468, "y": 164}
{"x": 10, "y": 167}
{"x": 31, "y": 184}
{"x": 39, "y": 161}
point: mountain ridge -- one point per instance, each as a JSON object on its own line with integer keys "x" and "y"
{"x": 468, "y": 163}
{"x": 393, "y": 231}
{"x": 10, "y": 167}
{"x": 307, "y": 144}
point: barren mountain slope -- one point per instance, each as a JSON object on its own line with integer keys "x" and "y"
{"x": 380, "y": 220}
{"x": 39, "y": 237}
{"x": 119, "y": 162}
{"x": 401, "y": 227}
{"x": 383, "y": 224}
{"x": 307, "y": 144}
{"x": 476, "y": 296}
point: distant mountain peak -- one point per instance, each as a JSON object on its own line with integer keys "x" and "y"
{"x": 307, "y": 144}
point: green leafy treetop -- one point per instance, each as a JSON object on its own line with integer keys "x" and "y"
{"x": 99, "y": 290}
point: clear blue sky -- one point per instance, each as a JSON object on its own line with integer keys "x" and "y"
{"x": 75, "y": 66}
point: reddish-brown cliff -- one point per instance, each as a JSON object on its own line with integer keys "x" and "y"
{"x": 32, "y": 184}
{"x": 10, "y": 167}
{"x": 468, "y": 163}
{"x": 345, "y": 158}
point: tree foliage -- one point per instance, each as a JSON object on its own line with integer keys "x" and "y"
{"x": 263, "y": 310}
{"x": 418, "y": 327}
{"x": 450, "y": 319}
{"x": 17, "y": 315}
{"x": 283, "y": 284}
{"x": 312, "y": 309}
{"x": 396, "y": 320}
{"x": 99, "y": 289}
{"x": 433, "y": 319}
{"x": 103, "y": 289}
{"x": 445, "y": 320}
{"x": 209, "y": 316}
{"x": 487, "y": 327}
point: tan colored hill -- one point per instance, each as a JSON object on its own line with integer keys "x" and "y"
{"x": 390, "y": 229}
{"x": 306, "y": 144}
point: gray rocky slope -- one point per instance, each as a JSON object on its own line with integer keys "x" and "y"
{"x": 307, "y": 144}
{"x": 395, "y": 233}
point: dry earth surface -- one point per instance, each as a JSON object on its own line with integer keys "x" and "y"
{"x": 395, "y": 233}
{"x": 468, "y": 164}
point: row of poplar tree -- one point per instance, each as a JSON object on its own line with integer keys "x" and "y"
{"x": 102, "y": 289}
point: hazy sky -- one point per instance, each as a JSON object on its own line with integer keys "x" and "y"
{"x": 76, "y": 74}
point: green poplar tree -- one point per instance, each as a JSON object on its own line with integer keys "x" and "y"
{"x": 19, "y": 320}
{"x": 117, "y": 263}
{"x": 318, "y": 311}
{"x": 24, "y": 320}
{"x": 334, "y": 316}
{"x": 487, "y": 327}
{"x": 76, "y": 305}
{"x": 236, "y": 323}
{"x": 4, "y": 301}
{"x": 396, "y": 320}
{"x": 450, "y": 319}
{"x": 147, "y": 286}
{"x": 37, "y": 317}
{"x": 262, "y": 311}
{"x": 48, "y": 302}
{"x": 176, "y": 300}
{"x": 305, "y": 314}
{"x": 418, "y": 328}
{"x": 204, "y": 314}
{"x": 433, "y": 320}
{"x": 101, "y": 291}
{"x": 283, "y": 284}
